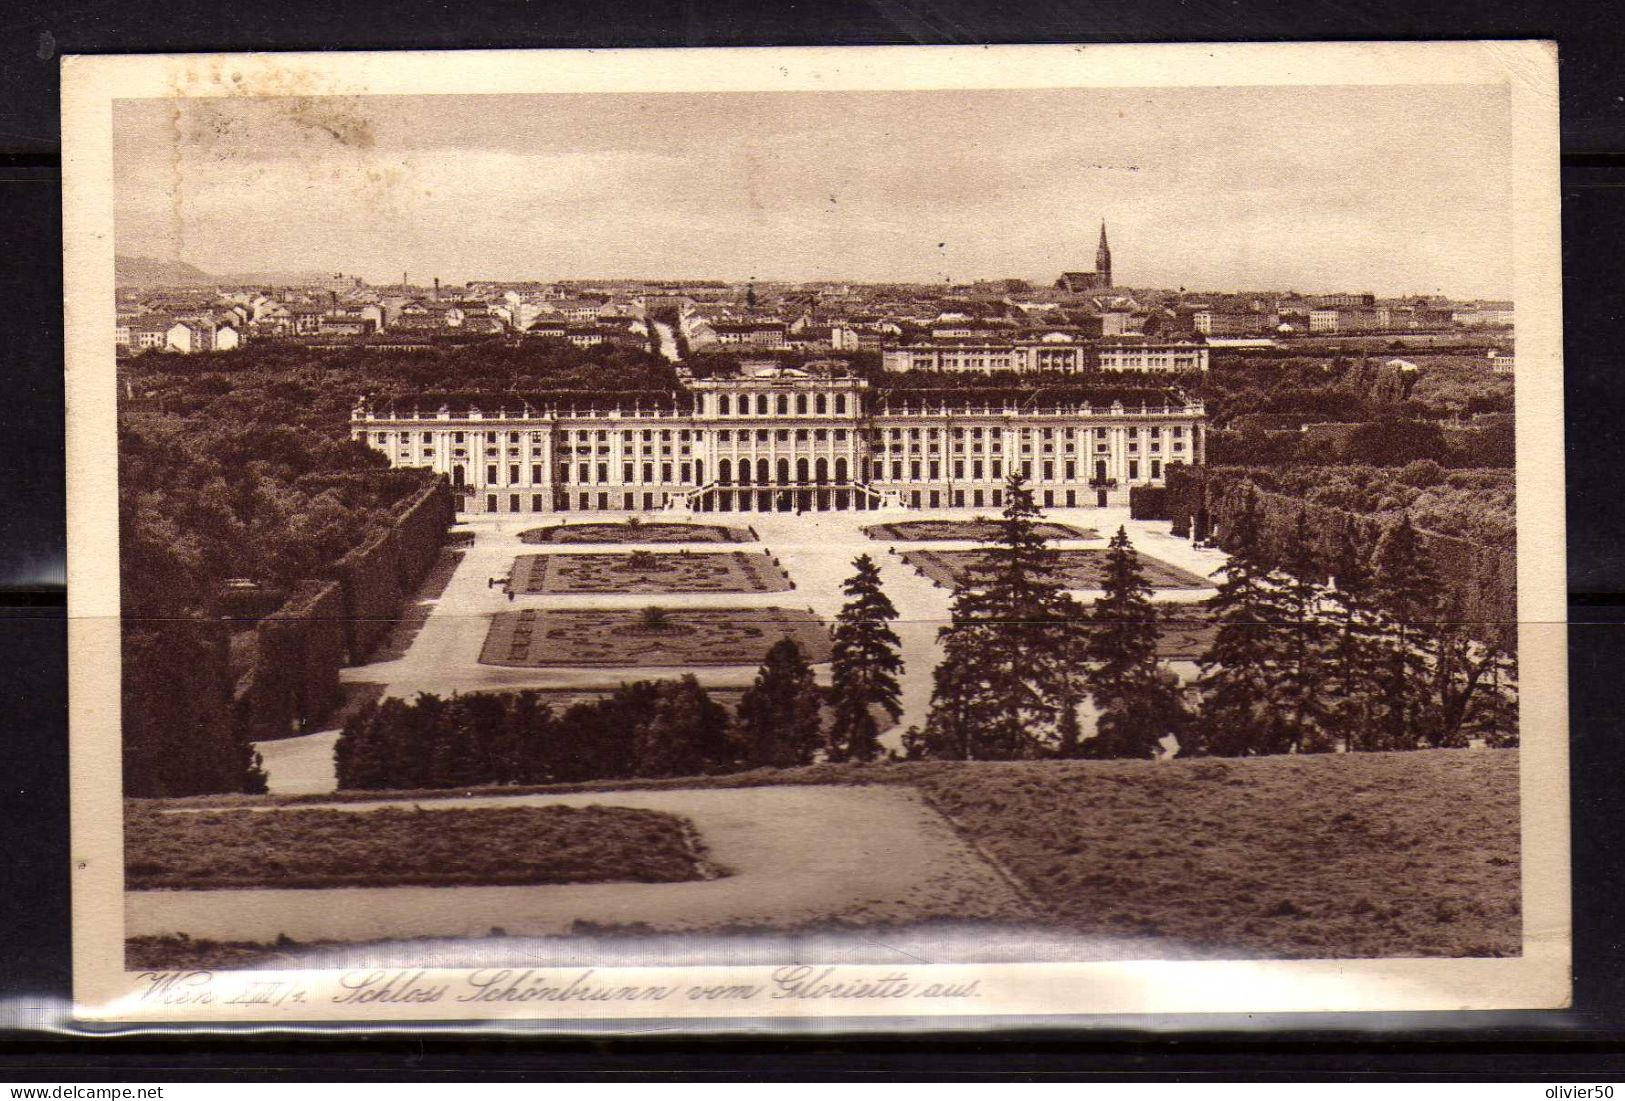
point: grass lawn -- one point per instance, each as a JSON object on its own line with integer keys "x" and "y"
{"x": 394, "y": 847}
{"x": 1332, "y": 857}
{"x": 1393, "y": 854}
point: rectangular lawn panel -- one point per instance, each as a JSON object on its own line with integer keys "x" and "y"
{"x": 646, "y": 531}
{"x": 683, "y": 637}
{"x": 976, "y": 531}
{"x": 1078, "y": 568}
{"x": 1321, "y": 856}
{"x": 392, "y": 847}
{"x": 650, "y": 572}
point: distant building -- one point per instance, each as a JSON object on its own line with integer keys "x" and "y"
{"x": 1484, "y": 315}
{"x": 1336, "y": 301}
{"x": 1063, "y": 355}
{"x": 753, "y": 334}
{"x": 1087, "y": 282}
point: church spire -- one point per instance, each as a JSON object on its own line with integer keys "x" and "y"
{"x": 1103, "y": 258}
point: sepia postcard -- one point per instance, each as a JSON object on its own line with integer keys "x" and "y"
{"x": 836, "y": 537}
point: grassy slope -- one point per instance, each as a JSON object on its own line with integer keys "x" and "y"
{"x": 1404, "y": 854}
{"x": 397, "y": 847}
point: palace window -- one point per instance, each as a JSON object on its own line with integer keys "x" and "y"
{"x": 536, "y": 472}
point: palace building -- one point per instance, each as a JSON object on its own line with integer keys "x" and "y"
{"x": 783, "y": 440}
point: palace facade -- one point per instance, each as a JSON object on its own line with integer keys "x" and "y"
{"x": 786, "y": 441}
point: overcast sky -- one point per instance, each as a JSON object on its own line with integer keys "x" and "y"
{"x": 1394, "y": 190}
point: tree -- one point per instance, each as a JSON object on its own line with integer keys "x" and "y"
{"x": 1004, "y": 685}
{"x": 1238, "y": 716}
{"x": 1407, "y": 592}
{"x": 864, "y": 666}
{"x": 960, "y": 704}
{"x": 535, "y": 737}
{"x": 1353, "y": 657}
{"x": 1467, "y": 677}
{"x": 1136, "y": 697}
{"x": 1299, "y": 689}
{"x": 358, "y": 760}
{"x": 779, "y": 714}
{"x": 684, "y": 732}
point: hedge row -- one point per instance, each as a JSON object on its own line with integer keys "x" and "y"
{"x": 295, "y": 678}
{"x": 1480, "y": 583}
{"x": 176, "y": 691}
{"x": 1148, "y": 502}
{"x": 324, "y": 625}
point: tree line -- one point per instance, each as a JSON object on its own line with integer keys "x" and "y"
{"x": 1374, "y": 659}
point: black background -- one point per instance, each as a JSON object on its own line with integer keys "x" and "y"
{"x": 1581, "y": 1043}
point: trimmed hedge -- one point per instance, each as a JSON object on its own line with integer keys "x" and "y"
{"x": 378, "y": 575}
{"x": 295, "y": 679}
{"x": 175, "y": 692}
{"x": 1148, "y": 503}
{"x": 1480, "y": 582}
{"x": 325, "y": 625}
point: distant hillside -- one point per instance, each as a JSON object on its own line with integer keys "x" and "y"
{"x": 136, "y": 271}
{"x": 273, "y": 279}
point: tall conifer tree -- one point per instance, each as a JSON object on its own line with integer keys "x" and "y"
{"x": 1005, "y": 684}
{"x": 1407, "y": 592}
{"x": 1300, "y": 690}
{"x": 1240, "y": 667}
{"x": 864, "y": 666}
{"x": 1136, "y": 696}
{"x": 1353, "y": 657}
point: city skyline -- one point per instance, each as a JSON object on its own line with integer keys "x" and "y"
{"x": 1398, "y": 191}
